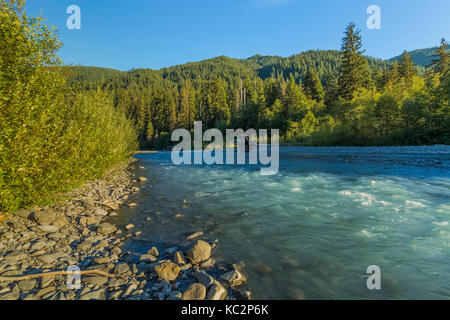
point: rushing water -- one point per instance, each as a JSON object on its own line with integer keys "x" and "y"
{"x": 312, "y": 230}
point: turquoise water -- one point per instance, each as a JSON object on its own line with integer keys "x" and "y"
{"x": 312, "y": 230}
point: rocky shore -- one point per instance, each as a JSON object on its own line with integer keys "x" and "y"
{"x": 39, "y": 246}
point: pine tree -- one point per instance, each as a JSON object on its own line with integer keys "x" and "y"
{"x": 441, "y": 62}
{"x": 313, "y": 86}
{"x": 354, "y": 67}
{"x": 406, "y": 68}
{"x": 331, "y": 89}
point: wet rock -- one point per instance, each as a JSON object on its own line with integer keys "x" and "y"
{"x": 129, "y": 227}
{"x": 143, "y": 179}
{"x": 201, "y": 251}
{"x": 208, "y": 263}
{"x": 195, "y": 235}
{"x": 233, "y": 278}
{"x": 153, "y": 251}
{"x": 196, "y": 291}
{"x": 167, "y": 270}
{"x": 148, "y": 258}
{"x": 204, "y": 278}
{"x": 107, "y": 228}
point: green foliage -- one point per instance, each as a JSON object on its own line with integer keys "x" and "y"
{"x": 52, "y": 137}
{"x": 316, "y": 97}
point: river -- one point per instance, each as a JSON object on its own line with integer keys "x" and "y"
{"x": 311, "y": 231}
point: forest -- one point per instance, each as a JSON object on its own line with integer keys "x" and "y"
{"x": 315, "y": 98}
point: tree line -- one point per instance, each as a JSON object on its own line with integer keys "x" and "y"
{"x": 315, "y": 98}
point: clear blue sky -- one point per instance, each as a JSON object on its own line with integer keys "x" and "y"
{"x": 157, "y": 33}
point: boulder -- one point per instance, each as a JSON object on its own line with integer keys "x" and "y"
{"x": 107, "y": 228}
{"x": 234, "y": 278}
{"x": 216, "y": 292}
{"x": 201, "y": 251}
{"x": 196, "y": 291}
{"x": 167, "y": 270}
{"x": 44, "y": 217}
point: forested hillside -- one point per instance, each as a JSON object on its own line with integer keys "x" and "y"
{"x": 322, "y": 97}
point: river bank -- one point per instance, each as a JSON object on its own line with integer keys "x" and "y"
{"x": 36, "y": 243}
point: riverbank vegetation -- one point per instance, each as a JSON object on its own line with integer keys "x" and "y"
{"x": 53, "y": 136}
{"x": 314, "y": 98}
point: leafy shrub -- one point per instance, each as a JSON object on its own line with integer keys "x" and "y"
{"x": 52, "y": 137}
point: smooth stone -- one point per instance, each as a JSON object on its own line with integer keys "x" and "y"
{"x": 153, "y": 251}
{"x": 148, "y": 258}
{"x": 48, "y": 229}
{"x": 129, "y": 227}
{"x": 95, "y": 280}
{"x": 94, "y": 295}
{"x": 143, "y": 179}
{"x": 196, "y": 291}
{"x": 167, "y": 270}
{"x": 24, "y": 213}
{"x": 45, "y": 217}
{"x": 195, "y": 235}
{"x": 204, "y": 278}
{"x": 121, "y": 268}
{"x": 216, "y": 292}
{"x": 106, "y": 228}
{"x": 208, "y": 263}
{"x": 200, "y": 251}
{"x": 27, "y": 285}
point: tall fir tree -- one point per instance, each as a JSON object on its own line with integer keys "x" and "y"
{"x": 313, "y": 87}
{"x": 440, "y": 63}
{"x": 354, "y": 70}
{"x": 406, "y": 67}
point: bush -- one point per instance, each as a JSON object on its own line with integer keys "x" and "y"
{"x": 52, "y": 138}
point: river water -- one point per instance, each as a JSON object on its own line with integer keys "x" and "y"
{"x": 311, "y": 231}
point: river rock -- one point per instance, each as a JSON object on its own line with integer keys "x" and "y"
{"x": 94, "y": 295}
{"x": 216, "y": 292}
{"x": 195, "y": 235}
{"x": 24, "y": 213}
{"x": 48, "y": 229}
{"x": 143, "y": 179}
{"x": 233, "y": 278}
{"x": 147, "y": 258}
{"x": 129, "y": 227}
{"x": 167, "y": 270}
{"x": 27, "y": 285}
{"x": 153, "y": 251}
{"x": 95, "y": 280}
{"x": 196, "y": 291}
{"x": 44, "y": 217}
{"x": 178, "y": 259}
{"x": 204, "y": 278}
{"x": 121, "y": 269}
{"x": 106, "y": 228}
{"x": 201, "y": 251}
{"x": 208, "y": 263}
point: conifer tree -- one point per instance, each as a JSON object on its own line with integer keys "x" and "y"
{"x": 313, "y": 86}
{"x": 354, "y": 68}
{"x": 442, "y": 59}
{"x": 406, "y": 68}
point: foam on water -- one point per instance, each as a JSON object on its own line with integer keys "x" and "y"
{"x": 313, "y": 229}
